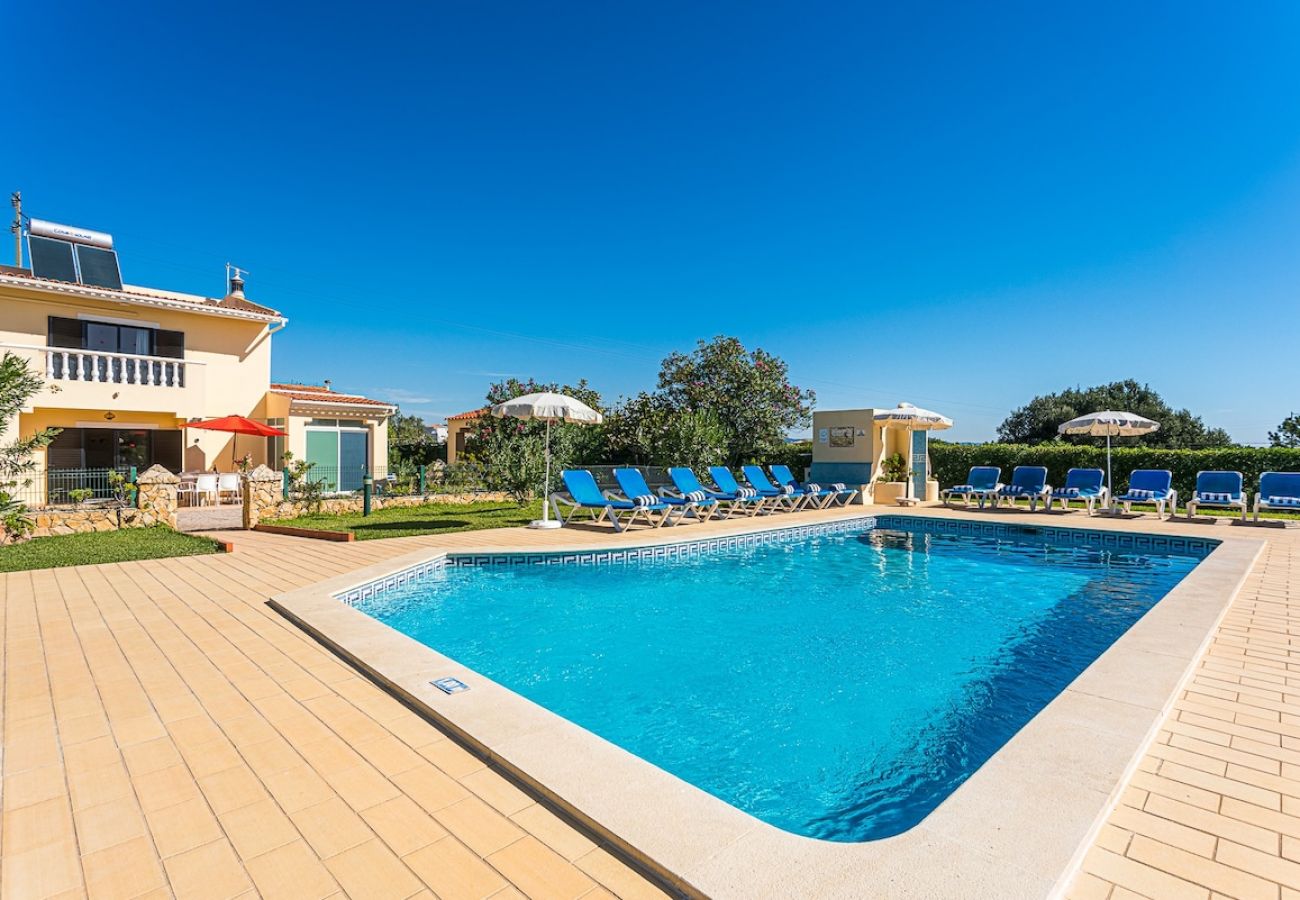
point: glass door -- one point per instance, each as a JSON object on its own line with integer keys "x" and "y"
{"x": 323, "y": 452}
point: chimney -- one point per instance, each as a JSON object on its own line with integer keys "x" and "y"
{"x": 235, "y": 276}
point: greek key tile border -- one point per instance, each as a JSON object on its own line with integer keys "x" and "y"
{"x": 603, "y": 557}
{"x": 1074, "y": 537}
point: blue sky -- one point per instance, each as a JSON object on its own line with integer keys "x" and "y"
{"x": 440, "y": 194}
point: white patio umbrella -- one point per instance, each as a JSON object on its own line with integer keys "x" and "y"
{"x": 1111, "y": 423}
{"x": 547, "y": 407}
{"x": 913, "y": 418}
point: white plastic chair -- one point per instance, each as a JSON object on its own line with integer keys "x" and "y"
{"x": 205, "y": 489}
{"x": 228, "y": 484}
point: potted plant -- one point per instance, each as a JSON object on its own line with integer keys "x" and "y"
{"x": 891, "y": 484}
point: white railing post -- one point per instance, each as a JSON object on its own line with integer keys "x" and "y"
{"x": 113, "y": 368}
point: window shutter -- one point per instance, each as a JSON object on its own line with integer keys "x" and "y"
{"x": 170, "y": 344}
{"x": 65, "y": 332}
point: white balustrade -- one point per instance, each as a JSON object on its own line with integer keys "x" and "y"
{"x": 113, "y": 368}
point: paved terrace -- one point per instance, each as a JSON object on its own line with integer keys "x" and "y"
{"x": 166, "y": 734}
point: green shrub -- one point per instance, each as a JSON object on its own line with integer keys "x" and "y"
{"x": 951, "y": 463}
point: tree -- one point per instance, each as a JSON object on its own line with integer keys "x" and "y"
{"x": 1287, "y": 434}
{"x": 409, "y": 443}
{"x": 1037, "y": 421}
{"x": 646, "y": 430}
{"x": 18, "y": 384}
{"x": 512, "y": 452}
{"x": 749, "y": 394}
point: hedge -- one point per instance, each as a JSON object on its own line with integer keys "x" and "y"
{"x": 951, "y": 463}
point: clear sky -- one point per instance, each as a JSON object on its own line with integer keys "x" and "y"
{"x": 443, "y": 193}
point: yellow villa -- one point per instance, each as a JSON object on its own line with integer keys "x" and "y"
{"x": 127, "y": 367}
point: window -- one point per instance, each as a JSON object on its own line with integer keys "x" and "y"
{"x": 111, "y": 338}
{"x": 275, "y": 446}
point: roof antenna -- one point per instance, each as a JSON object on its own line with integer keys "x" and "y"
{"x": 16, "y": 198}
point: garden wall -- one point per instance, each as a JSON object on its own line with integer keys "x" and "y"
{"x": 951, "y": 463}
{"x": 155, "y": 505}
{"x": 290, "y": 509}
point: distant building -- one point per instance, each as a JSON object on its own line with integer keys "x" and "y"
{"x": 437, "y": 431}
{"x": 458, "y": 431}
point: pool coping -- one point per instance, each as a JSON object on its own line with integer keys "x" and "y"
{"x": 1016, "y": 827}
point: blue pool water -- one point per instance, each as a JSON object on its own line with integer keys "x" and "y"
{"x": 838, "y": 686}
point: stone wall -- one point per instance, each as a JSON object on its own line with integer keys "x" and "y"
{"x": 156, "y": 505}
{"x": 264, "y": 499}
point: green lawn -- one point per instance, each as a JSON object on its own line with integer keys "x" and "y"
{"x": 102, "y": 547}
{"x": 431, "y": 518}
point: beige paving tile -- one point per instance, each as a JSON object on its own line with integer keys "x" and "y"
{"x": 212, "y": 870}
{"x": 403, "y": 825}
{"x": 553, "y": 831}
{"x": 258, "y": 828}
{"x": 538, "y": 871}
{"x": 124, "y": 870}
{"x": 372, "y": 870}
{"x": 478, "y": 826}
{"x": 497, "y": 791}
{"x": 182, "y": 826}
{"x": 292, "y": 871}
{"x": 331, "y": 827}
{"x": 454, "y": 872}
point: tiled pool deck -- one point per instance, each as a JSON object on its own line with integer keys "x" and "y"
{"x": 166, "y": 733}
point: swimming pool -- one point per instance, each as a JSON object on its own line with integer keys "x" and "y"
{"x": 837, "y": 685}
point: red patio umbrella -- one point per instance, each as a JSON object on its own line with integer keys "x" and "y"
{"x": 238, "y": 425}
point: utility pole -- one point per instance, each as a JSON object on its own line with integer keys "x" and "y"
{"x": 17, "y": 228}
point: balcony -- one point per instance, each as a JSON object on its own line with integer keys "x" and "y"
{"x": 89, "y": 380}
{"x": 114, "y": 368}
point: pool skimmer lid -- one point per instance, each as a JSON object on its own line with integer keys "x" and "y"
{"x": 450, "y": 685}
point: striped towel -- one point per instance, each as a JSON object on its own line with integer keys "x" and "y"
{"x": 839, "y": 486}
{"x": 1283, "y": 501}
{"x": 697, "y": 496}
{"x": 645, "y": 500}
{"x": 1066, "y": 492}
{"x": 1214, "y": 496}
{"x": 813, "y": 487}
{"x": 746, "y": 493}
{"x": 787, "y": 489}
{"x": 1139, "y": 494}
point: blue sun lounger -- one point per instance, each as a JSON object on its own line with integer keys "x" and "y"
{"x": 1148, "y": 486}
{"x": 1278, "y": 490}
{"x": 982, "y": 482}
{"x": 821, "y": 495}
{"x": 727, "y": 483}
{"x": 633, "y": 484}
{"x": 1088, "y": 485}
{"x": 1224, "y": 490}
{"x": 789, "y": 496}
{"x": 1027, "y": 482}
{"x": 584, "y": 493}
{"x": 689, "y": 487}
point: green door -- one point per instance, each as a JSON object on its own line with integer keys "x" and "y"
{"x": 323, "y": 450}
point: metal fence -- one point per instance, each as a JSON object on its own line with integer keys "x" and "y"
{"x": 68, "y": 487}
{"x": 404, "y": 481}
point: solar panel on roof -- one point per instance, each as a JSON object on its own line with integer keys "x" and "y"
{"x": 51, "y": 259}
{"x": 98, "y": 267}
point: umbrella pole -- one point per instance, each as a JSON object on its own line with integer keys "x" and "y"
{"x": 546, "y": 486}
{"x": 1110, "y": 488}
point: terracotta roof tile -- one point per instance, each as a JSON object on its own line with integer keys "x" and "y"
{"x": 312, "y": 394}
{"x": 472, "y": 414}
{"x": 132, "y": 291}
